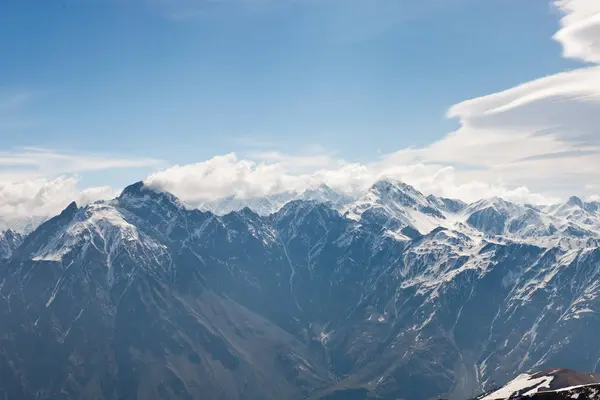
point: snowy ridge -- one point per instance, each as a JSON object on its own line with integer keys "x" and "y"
{"x": 105, "y": 229}
{"x": 550, "y": 384}
{"x": 524, "y": 384}
{"x": 397, "y": 205}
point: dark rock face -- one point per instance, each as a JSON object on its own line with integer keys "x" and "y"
{"x": 488, "y": 220}
{"x": 143, "y": 298}
{"x": 9, "y": 242}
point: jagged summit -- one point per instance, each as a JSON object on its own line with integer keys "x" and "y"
{"x": 140, "y": 196}
{"x": 70, "y": 210}
{"x": 141, "y": 190}
{"x": 396, "y": 205}
{"x": 9, "y": 234}
{"x": 135, "y": 189}
{"x": 575, "y": 201}
{"x": 399, "y": 190}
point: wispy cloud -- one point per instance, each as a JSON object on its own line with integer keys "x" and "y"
{"x": 43, "y": 197}
{"x": 34, "y": 162}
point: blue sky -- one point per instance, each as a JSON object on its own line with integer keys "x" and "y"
{"x": 182, "y": 82}
{"x": 209, "y": 98}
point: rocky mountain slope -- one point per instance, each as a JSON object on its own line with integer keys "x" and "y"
{"x": 394, "y": 295}
{"x": 9, "y": 241}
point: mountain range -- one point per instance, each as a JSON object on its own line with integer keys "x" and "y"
{"x": 394, "y": 295}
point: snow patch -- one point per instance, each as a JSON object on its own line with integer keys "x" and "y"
{"x": 519, "y": 384}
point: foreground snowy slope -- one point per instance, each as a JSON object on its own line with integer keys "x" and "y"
{"x": 557, "y": 384}
{"x": 396, "y": 295}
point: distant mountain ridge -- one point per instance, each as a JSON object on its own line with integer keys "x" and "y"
{"x": 403, "y": 206}
{"x": 270, "y": 204}
{"x": 392, "y": 295}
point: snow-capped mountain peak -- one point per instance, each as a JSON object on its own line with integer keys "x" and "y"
{"x": 396, "y": 205}
{"x": 399, "y": 192}
{"x": 575, "y": 201}
{"x": 139, "y": 194}
{"x": 104, "y": 228}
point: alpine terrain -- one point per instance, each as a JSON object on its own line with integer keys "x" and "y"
{"x": 393, "y": 295}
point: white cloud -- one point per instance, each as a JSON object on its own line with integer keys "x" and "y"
{"x": 227, "y": 175}
{"x": 542, "y": 134}
{"x": 34, "y": 162}
{"x": 221, "y": 176}
{"x": 45, "y": 197}
{"x": 580, "y": 29}
{"x": 36, "y": 182}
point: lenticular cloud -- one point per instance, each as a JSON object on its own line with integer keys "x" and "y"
{"x": 542, "y": 134}
{"x": 580, "y": 29}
